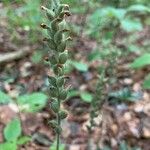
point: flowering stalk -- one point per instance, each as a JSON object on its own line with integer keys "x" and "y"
{"x": 57, "y": 42}
{"x": 106, "y": 76}
{"x": 97, "y": 100}
{"x": 96, "y": 105}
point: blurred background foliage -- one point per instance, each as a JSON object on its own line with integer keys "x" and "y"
{"x": 114, "y": 25}
{"x": 118, "y": 28}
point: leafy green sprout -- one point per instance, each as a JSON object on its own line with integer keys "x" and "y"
{"x": 12, "y": 135}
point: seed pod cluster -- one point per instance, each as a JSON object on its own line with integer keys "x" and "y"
{"x": 57, "y": 42}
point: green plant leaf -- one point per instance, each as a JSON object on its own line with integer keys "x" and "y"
{"x": 94, "y": 55}
{"x": 141, "y": 61}
{"x": 103, "y": 18}
{"x": 87, "y": 97}
{"x": 125, "y": 94}
{"x": 32, "y": 102}
{"x": 8, "y": 146}
{"x": 139, "y": 8}
{"x": 12, "y": 130}
{"x": 80, "y": 66}
{"x": 117, "y": 13}
{"x": 131, "y": 25}
{"x": 73, "y": 93}
{"x": 4, "y": 98}
{"x": 146, "y": 83}
{"x": 23, "y": 140}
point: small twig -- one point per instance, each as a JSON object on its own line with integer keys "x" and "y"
{"x": 7, "y": 57}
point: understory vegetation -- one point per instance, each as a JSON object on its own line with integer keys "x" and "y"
{"x": 74, "y": 74}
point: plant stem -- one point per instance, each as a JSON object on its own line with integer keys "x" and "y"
{"x": 58, "y": 135}
{"x": 59, "y": 122}
{"x": 58, "y": 117}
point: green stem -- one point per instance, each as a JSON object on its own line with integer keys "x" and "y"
{"x": 58, "y": 134}
{"x": 58, "y": 122}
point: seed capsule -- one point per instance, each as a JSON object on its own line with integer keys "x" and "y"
{"x": 52, "y": 81}
{"x": 49, "y": 13}
{"x": 63, "y": 94}
{"x": 62, "y": 46}
{"x": 50, "y": 33}
{"x": 54, "y": 24}
{"x": 60, "y": 81}
{"x": 53, "y": 91}
{"x": 58, "y": 36}
{"x": 58, "y": 130}
{"x": 62, "y": 7}
{"x": 63, "y": 114}
{"x": 55, "y": 106}
{"x": 51, "y": 44}
{"x": 53, "y": 123}
{"x": 63, "y": 57}
{"x": 58, "y": 70}
{"x": 53, "y": 60}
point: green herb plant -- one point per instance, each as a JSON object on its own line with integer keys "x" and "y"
{"x": 13, "y": 137}
{"x": 141, "y": 62}
{"x": 58, "y": 55}
{"x": 106, "y": 75}
{"x": 96, "y": 104}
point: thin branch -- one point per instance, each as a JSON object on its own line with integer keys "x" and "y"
{"x": 10, "y": 56}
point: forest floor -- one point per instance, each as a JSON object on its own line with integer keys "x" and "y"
{"x": 129, "y": 121}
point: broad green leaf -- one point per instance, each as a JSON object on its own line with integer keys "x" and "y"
{"x": 80, "y": 66}
{"x": 95, "y": 18}
{"x": 32, "y": 102}
{"x": 12, "y": 130}
{"x": 106, "y": 13}
{"x": 146, "y": 83}
{"x": 133, "y": 48}
{"x": 141, "y": 61}
{"x": 122, "y": 94}
{"x": 4, "y": 98}
{"x": 8, "y": 146}
{"x": 23, "y": 140}
{"x": 73, "y": 93}
{"x": 131, "y": 25}
{"x": 94, "y": 55}
{"x": 139, "y": 8}
{"x": 113, "y": 12}
{"x": 87, "y": 97}
{"x": 125, "y": 94}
